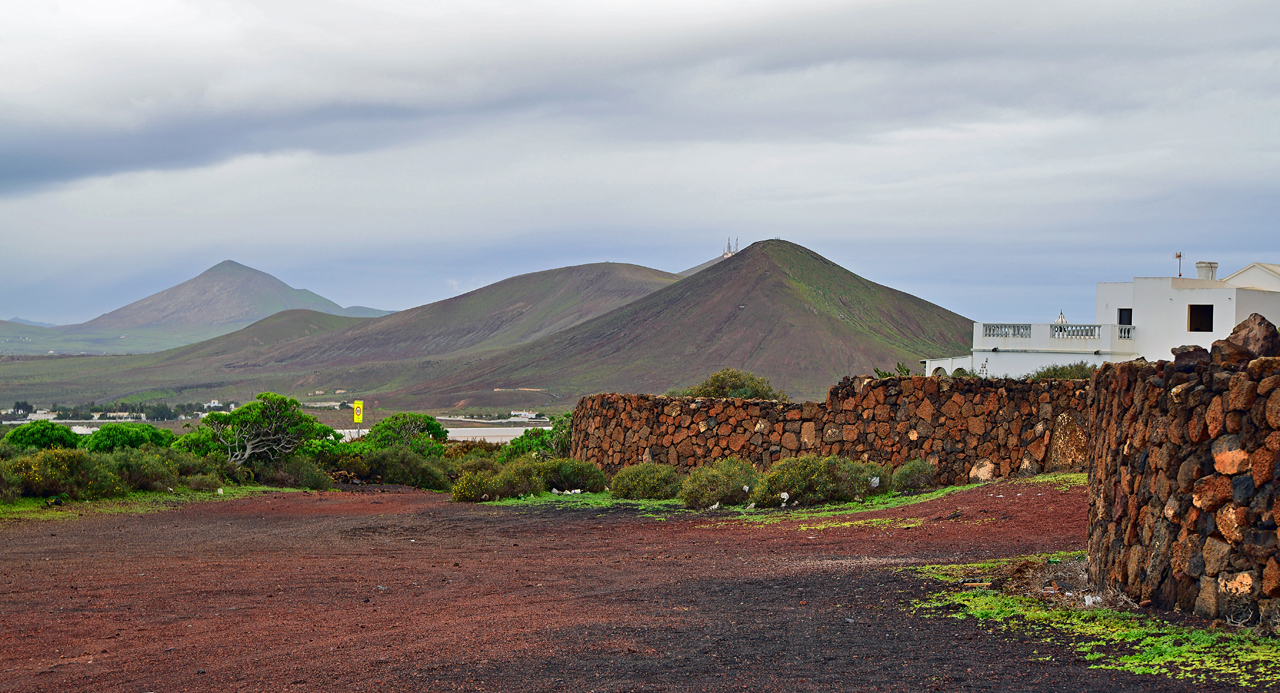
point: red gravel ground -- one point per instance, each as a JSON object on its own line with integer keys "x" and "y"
{"x": 406, "y": 591}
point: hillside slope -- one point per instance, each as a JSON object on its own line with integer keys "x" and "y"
{"x": 775, "y": 308}
{"x": 228, "y": 294}
{"x": 220, "y": 300}
{"x": 510, "y": 312}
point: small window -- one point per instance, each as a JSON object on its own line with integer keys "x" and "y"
{"x": 1200, "y": 318}
{"x": 1125, "y": 316}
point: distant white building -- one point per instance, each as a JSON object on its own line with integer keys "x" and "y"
{"x": 1146, "y": 317}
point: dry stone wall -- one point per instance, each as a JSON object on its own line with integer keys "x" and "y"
{"x": 967, "y": 428}
{"x": 1183, "y": 478}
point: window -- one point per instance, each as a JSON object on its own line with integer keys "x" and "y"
{"x": 1124, "y": 316}
{"x": 1200, "y": 318}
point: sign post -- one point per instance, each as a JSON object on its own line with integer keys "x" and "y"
{"x": 358, "y": 408}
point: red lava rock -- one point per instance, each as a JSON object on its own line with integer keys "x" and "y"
{"x": 1257, "y": 335}
{"x": 1211, "y": 492}
{"x": 1228, "y": 457}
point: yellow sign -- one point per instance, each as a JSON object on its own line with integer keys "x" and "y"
{"x": 359, "y": 408}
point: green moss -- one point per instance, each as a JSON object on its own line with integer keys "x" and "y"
{"x": 1112, "y": 639}
{"x": 659, "y": 509}
{"x": 963, "y": 571}
{"x": 886, "y": 501}
{"x": 1062, "y": 481}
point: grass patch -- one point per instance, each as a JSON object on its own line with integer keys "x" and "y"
{"x": 135, "y": 503}
{"x": 1061, "y": 481}
{"x": 886, "y": 501}
{"x": 951, "y": 573}
{"x": 659, "y": 509}
{"x": 1109, "y": 638}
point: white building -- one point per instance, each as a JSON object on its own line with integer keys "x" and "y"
{"x": 1146, "y": 317}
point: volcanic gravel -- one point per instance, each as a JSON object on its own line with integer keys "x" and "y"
{"x": 401, "y": 590}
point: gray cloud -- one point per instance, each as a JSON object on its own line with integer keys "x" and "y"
{"x": 973, "y": 143}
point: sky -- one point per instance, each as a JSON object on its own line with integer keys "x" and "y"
{"x": 995, "y": 157}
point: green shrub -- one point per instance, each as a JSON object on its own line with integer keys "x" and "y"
{"x": 1080, "y": 370}
{"x": 199, "y": 442}
{"x": 731, "y": 382}
{"x": 729, "y": 481}
{"x": 403, "y": 429}
{"x": 42, "y": 435}
{"x": 468, "y": 448}
{"x": 293, "y": 471}
{"x": 401, "y": 465}
{"x": 647, "y": 481}
{"x": 149, "y": 469}
{"x": 471, "y": 487}
{"x": 78, "y": 474}
{"x": 571, "y": 475}
{"x": 204, "y": 482}
{"x": 913, "y": 477}
{"x": 520, "y": 478}
{"x": 115, "y": 436}
{"x": 477, "y": 464}
{"x": 810, "y": 480}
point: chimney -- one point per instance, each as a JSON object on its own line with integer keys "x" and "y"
{"x": 1207, "y": 270}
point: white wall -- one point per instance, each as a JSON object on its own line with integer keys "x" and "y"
{"x": 1256, "y": 277}
{"x": 1112, "y": 296}
{"x": 1160, "y": 313}
{"x": 1265, "y": 303}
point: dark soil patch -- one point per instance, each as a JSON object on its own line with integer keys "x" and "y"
{"x": 393, "y": 589}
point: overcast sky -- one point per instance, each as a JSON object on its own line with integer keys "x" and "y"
{"x": 996, "y": 158}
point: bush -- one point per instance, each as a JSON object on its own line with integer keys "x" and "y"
{"x": 294, "y": 471}
{"x": 542, "y": 442}
{"x": 199, "y": 442}
{"x": 471, "y": 487}
{"x": 147, "y": 470}
{"x": 913, "y": 477}
{"x": 78, "y": 474}
{"x": 466, "y": 448}
{"x": 1081, "y": 370}
{"x": 731, "y": 382}
{"x": 727, "y": 482}
{"x": 647, "y": 481}
{"x": 400, "y": 465}
{"x": 42, "y": 435}
{"x": 204, "y": 482}
{"x": 811, "y": 480}
{"x": 403, "y": 428}
{"x": 115, "y": 436}
{"x": 570, "y": 475}
{"x": 523, "y": 477}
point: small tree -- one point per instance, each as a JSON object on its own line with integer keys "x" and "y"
{"x": 114, "y": 436}
{"x": 42, "y": 434}
{"x": 731, "y": 382}
{"x": 22, "y": 408}
{"x": 267, "y": 428}
{"x": 401, "y": 429}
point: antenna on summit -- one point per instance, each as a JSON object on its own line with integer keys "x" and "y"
{"x": 1178, "y": 257}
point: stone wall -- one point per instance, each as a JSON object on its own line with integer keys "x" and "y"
{"x": 965, "y": 427}
{"x": 1184, "y": 476}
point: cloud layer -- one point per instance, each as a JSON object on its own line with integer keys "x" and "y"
{"x": 994, "y": 157}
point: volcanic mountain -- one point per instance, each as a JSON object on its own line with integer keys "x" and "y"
{"x": 775, "y": 308}
{"x": 513, "y": 311}
{"x": 222, "y": 299}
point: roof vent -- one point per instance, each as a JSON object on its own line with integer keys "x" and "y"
{"x": 1207, "y": 270}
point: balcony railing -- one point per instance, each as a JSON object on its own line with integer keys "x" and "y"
{"x": 1126, "y": 332}
{"x": 996, "y": 329}
{"x": 1074, "y": 331}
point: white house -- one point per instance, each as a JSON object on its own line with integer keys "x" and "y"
{"x": 1146, "y": 317}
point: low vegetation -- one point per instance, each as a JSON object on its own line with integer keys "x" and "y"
{"x": 1081, "y": 370}
{"x": 647, "y": 481}
{"x": 1034, "y": 595}
{"x": 732, "y": 383}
